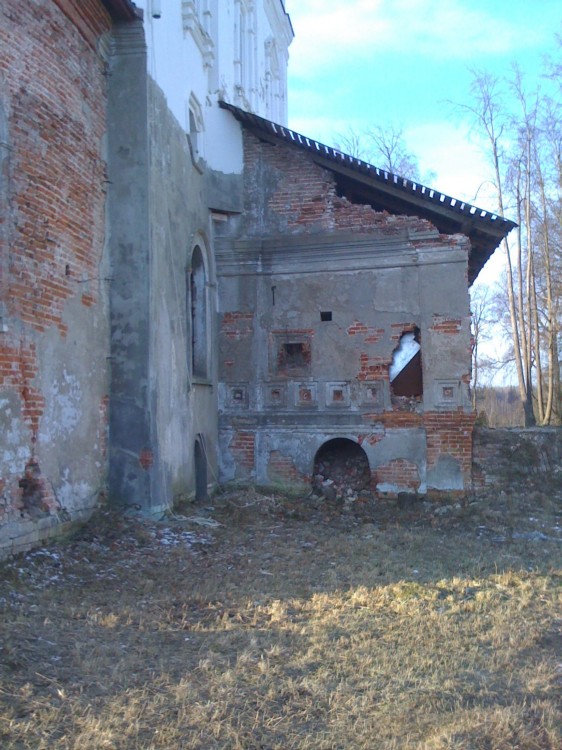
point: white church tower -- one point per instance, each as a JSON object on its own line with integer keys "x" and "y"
{"x": 203, "y": 51}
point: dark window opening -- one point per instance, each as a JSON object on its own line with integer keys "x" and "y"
{"x": 200, "y": 462}
{"x": 193, "y": 129}
{"x": 406, "y": 380}
{"x": 293, "y": 356}
{"x": 326, "y": 316}
{"x": 198, "y": 314}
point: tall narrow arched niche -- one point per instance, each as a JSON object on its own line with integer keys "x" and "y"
{"x": 200, "y": 464}
{"x": 198, "y": 314}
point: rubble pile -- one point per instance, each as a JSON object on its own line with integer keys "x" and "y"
{"x": 342, "y": 476}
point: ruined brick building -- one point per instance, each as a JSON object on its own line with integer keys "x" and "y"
{"x": 190, "y": 293}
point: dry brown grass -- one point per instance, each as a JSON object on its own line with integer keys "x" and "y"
{"x": 283, "y": 628}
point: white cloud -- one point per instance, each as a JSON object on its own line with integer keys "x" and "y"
{"x": 457, "y": 159}
{"x": 328, "y": 30}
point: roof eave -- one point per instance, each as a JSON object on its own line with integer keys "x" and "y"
{"x": 122, "y": 10}
{"x": 485, "y": 230}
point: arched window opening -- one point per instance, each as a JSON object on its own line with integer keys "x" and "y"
{"x": 342, "y": 472}
{"x": 200, "y": 464}
{"x": 405, "y": 372}
{"x": 195, "y": 129}
{"x": 198, "y": 313}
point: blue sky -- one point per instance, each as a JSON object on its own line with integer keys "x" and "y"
{"x": 400, "y": 62}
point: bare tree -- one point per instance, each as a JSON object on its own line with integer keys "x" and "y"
{"x": 383, "y": 146}
{"x": 524, "y": 146}
{"x": 480, "y": 310}
{"x": 490, "y": 120}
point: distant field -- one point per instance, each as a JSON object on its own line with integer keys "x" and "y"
{"x": 260, "y": 623}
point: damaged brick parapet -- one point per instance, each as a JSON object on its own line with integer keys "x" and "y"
{"x": 308, "y": 201}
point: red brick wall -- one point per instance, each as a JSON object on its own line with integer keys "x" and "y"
{"x": 53, "y": 96}
{"x": 443, "y": 324}
{"x": 242, "y": 449}
{"x": 18, "y": 368}
{"x": 237, "y": 325}
{"x": 287, "y": 193}
{"x": 399, "y": 473}
{"x": 281, "y": 468}
{"x": 55, "y": 99}
{"x": 450, "y": 433}
{"x": 303, "y": 196}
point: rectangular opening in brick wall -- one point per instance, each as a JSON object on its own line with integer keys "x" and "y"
{"x": 326, "y": 316}
{"x": 293, "y": 357}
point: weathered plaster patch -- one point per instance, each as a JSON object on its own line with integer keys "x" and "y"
{"x": 446, "y": 474}
{"x": 64, "y": 407}
{"x": 14, "y": 434}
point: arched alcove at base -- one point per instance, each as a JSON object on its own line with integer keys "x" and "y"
{"x": 341, "y": 471}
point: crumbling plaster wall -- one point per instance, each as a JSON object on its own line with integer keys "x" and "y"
{"x": 339, "y": 283}
{"x": 518, "y": 460}
{"x": 158, "y": 214}
{"x": 185, "y": 405}
{"x": 54, "y": 272}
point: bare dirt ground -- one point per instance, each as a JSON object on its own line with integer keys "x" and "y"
{"x": 260, "y": 621}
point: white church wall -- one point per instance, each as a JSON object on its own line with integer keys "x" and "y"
{"x": 200, "y": 51}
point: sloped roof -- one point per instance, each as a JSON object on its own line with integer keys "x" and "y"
{"x": 365, "y": 183}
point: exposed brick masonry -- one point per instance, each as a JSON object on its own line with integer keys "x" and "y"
{"x": 398, "y": 473}
{"x": 372, "y": 368}
{"x": 372, "y": 335}
{"x": 282, "y": 468}
{"x": 450, "y": 433}
{"x": 242, "y": 448}
{"x": 18, "y": 367}
{"x": 53, "y": 101}
{"x": 56, "y": 123}
{"x": 237, "y": 325}
{"x": 305, "y": 197}
{"x": 442, "y": 324}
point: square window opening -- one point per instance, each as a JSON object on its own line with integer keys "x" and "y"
{"x": 294, "y": 356}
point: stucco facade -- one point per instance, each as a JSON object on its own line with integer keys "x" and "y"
{"x": 316, "y": 294}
